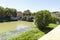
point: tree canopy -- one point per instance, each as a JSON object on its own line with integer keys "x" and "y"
{"x": 42, "y": 18}
{"x": 7, "y": 12}
{"x": 27, "y": 12}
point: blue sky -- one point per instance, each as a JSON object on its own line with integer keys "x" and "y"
{"x": 33, "y": 5}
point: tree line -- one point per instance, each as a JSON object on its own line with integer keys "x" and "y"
{"x": 7, "y": 12}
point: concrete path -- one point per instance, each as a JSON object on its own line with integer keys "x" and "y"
{"x": 52, "y": 35}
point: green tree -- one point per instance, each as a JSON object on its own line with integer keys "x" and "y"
{"x": 10, "y": 12}
{"x": 13, "y": 12}
{"x": 7, "y": 12}
{"x": 42, "y": 18}
{"x": 54, "y": 19}
{"x": 1, "y": 11}
{"x": 27, "y": 12}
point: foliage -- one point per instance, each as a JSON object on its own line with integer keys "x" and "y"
{"x": 27, "y": 16}
{"x": 58, "y": 21}
{"x": 29, "y": 35}
{"x": 7, "y": 12}
{"x": 53, "y": 19}
{"x": 2, "y": 10}
{"x": 30, "y": 19}
{"x": 42, "y": 18}
{"x": 27, "y": 12}
{"x": 51, "y": 25}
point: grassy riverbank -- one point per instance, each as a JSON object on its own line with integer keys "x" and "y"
{"x": 34, "y": 34}
{"x": 29, "y": 35}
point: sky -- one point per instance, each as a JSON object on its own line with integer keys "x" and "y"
{"x": 32, "y": 5}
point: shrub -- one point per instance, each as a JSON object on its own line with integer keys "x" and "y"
{"x": 29, "y": 35}
{"x": 42, "y": 18}
{"x": 30, "y": 19}
{"x": 51, "y": 25}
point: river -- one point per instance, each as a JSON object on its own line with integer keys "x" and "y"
{"x": 19, "y": 30}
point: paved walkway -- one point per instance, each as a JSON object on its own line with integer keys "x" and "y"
{"x": 52, "y": 35}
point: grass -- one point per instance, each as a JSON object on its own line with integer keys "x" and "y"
{"x": 49, "y": 28}
{"x": 8, "y": 26}
{"x": 51, "y": 25}
{"x": 34, "y": 34}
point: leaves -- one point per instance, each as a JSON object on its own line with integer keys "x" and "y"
{"x": 42, "y": 18}
{"x": 29, "y": 35}
{"x": 7, "y": 12}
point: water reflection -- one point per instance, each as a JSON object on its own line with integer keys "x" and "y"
{"x": 20, "y": 29}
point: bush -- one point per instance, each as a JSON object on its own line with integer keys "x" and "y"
{"x": 29, "y": 35}
{"x": 30, "y": 20}
{"x": 42, "y": 18}
{"x": 51, "y": 25}
{"x": 54, "y": 20}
